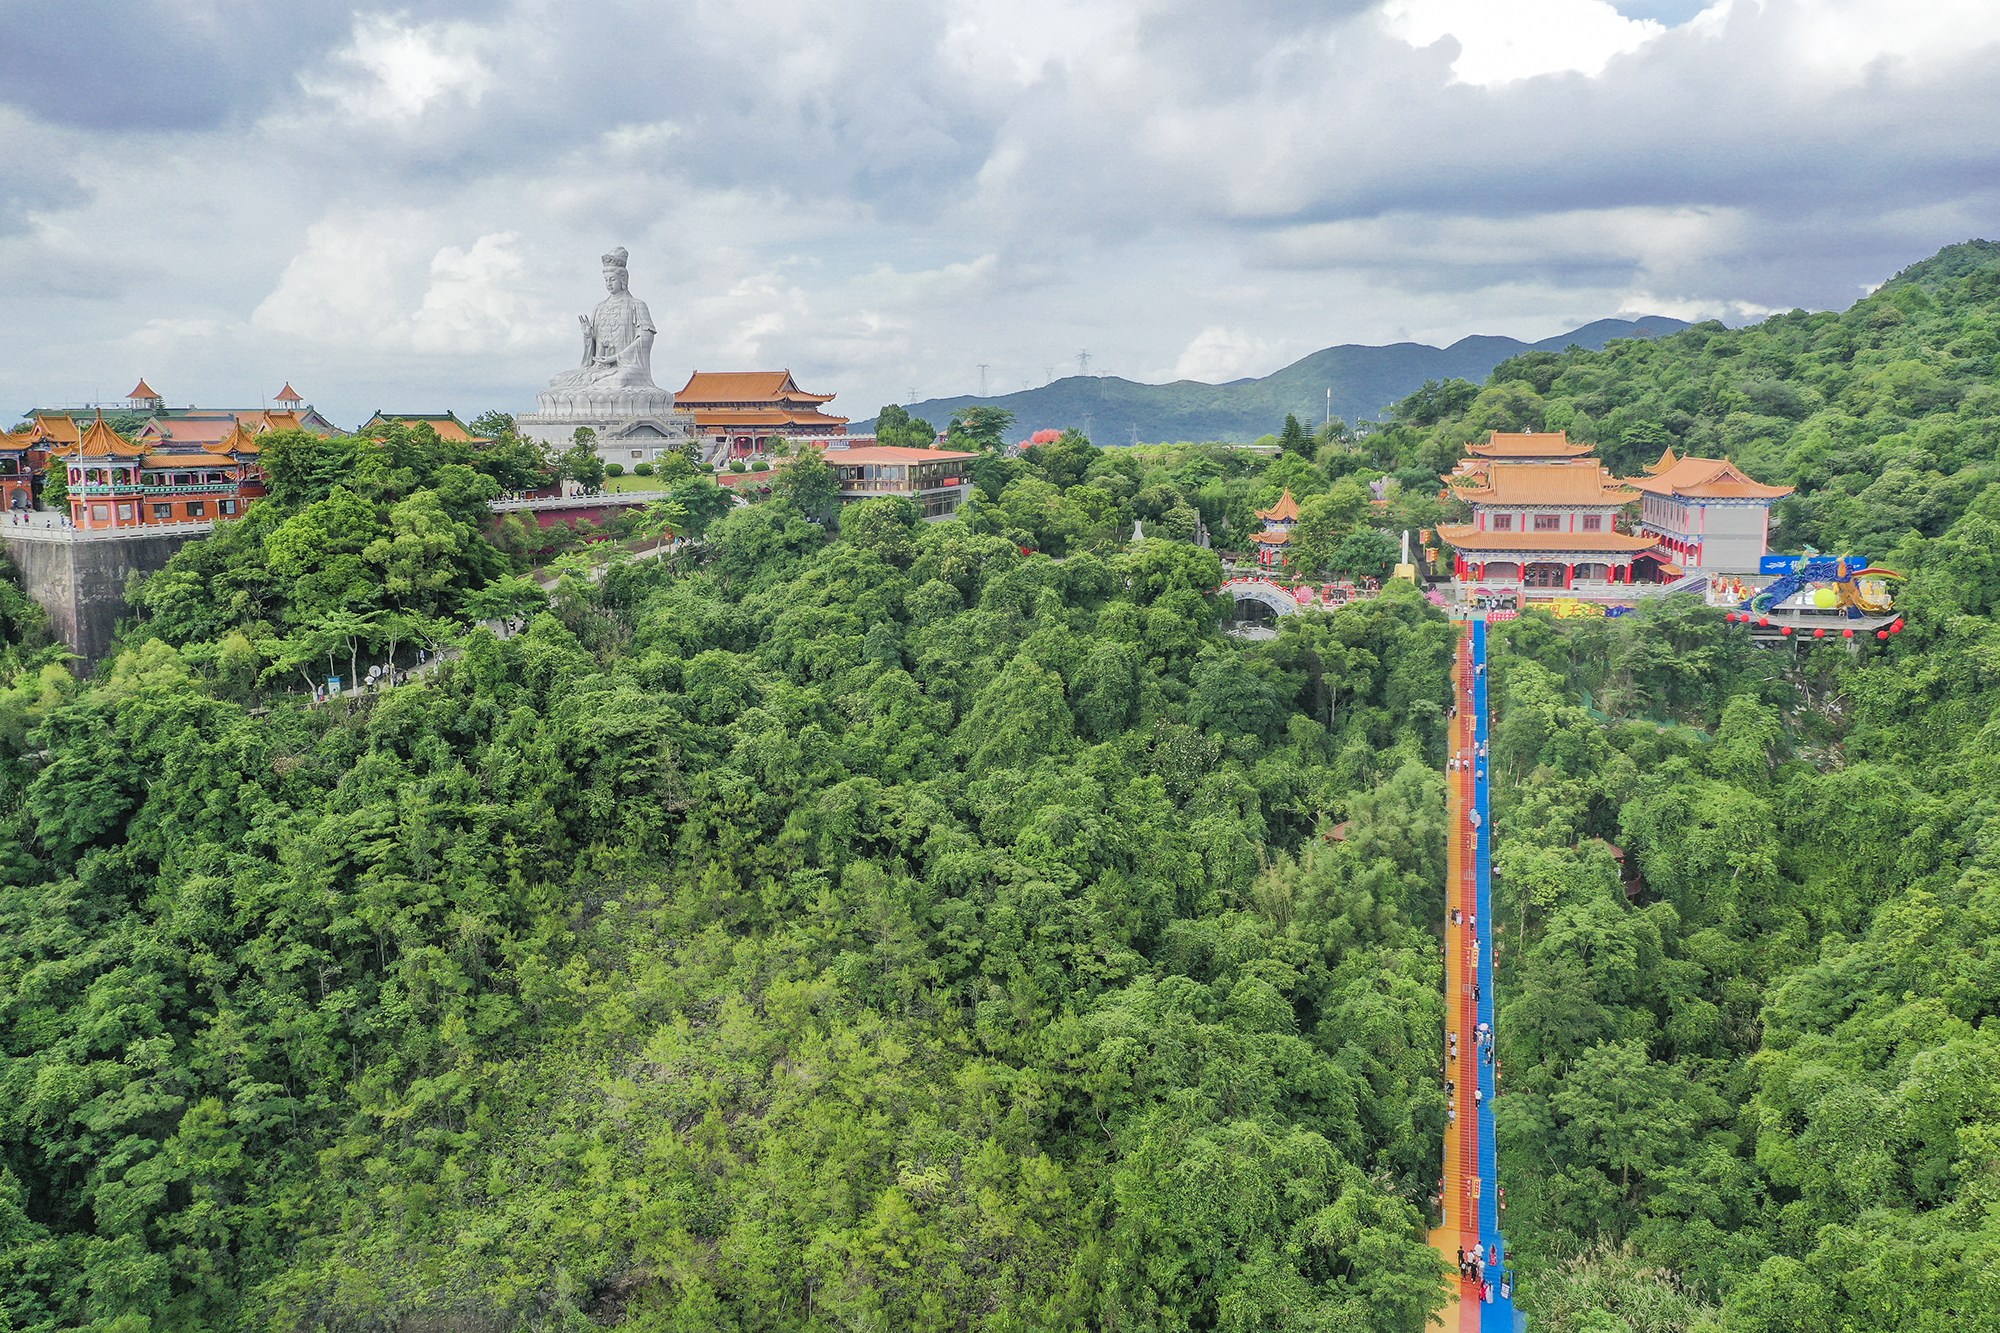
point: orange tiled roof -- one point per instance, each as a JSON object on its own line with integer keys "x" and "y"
{"x": 1529, "y": 444}
{"x": 1707, "y": 479}
{"x": 100, "y": 441}
{"x": 1667, "y": 460}
{"x": 142, "y": 389}
{"x": 1541, "y": 484}
{"x": 207, "y": 429}
{"x": 1465, "y": 537}
{"x": 745, "y": 386}
{"x": 1286, "y": 508}
{"x": 288, "y": 394}
{"x": 705, "y": 417}
{"x": 56, "y": 430}
{"x": 1278, "y": 538}
{"x": 891, "y": 453}
{"x": 242, "y": 441}
{"x": 446, "y": 424}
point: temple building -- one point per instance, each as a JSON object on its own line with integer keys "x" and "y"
{"x": 117, "y": 483}
{"x": 934, "y": 478}
{"x": 1279, "y": 520}
{"x": 22, "y": 459}
{"x": 446, "y": 424}
{"x": 199, "y": 427}
{"x": 739, "y": 413}
{"x": 1705, "y": 514}
{"x": 1544, "y": 515}
{"x": 1542, "y": 446}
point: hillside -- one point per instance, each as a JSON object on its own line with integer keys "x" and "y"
{"x": 1363, "y": 379}
{"x": 1948, "y": 265}
{"x": 873, "y": 924}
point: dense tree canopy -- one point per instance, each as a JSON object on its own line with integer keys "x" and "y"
{"x": 859, "y": 921}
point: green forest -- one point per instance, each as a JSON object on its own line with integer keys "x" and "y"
{"x": 851, "y": 922}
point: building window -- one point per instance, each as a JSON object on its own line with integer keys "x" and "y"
{"x": 125, "y": 513}
{"x": 161, "y": 513}
{"x": 197, "y": 509}
{"x": 1548, "y": 522}
{"x": 638, "y": 453}
{"x": 1503, "y": 522}
{"x": 100, "y": 513}
{"x": 229, "y": 506}
{"x": 1593, "y": 522}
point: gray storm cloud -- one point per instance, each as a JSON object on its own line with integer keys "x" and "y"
{"x": 404, "y": 206}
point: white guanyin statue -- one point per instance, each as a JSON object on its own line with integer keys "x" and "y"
{"x": 617, "y": 337}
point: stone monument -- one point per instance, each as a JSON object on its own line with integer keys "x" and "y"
{"x": 612, "y": 391}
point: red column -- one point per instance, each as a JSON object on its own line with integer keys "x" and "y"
{"x": 1569, "y": 576}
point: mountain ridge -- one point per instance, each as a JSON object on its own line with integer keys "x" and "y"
{"x": 1364, "y": 378}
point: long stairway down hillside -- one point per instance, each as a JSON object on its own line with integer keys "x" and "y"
{"x": 1469, "y": 1234}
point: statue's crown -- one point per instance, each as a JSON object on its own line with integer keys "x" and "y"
{"x": 617, "y": 258}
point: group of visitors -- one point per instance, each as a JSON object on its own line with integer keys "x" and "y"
{"x": 1473, "y": 1263}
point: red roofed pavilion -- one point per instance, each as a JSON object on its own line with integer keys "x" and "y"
{"x": 741, "y": 412}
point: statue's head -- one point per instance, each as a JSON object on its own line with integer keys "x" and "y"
{"x": 614, "y": 270}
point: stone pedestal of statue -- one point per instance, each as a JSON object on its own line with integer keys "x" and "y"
{"x": 612, "y": 391}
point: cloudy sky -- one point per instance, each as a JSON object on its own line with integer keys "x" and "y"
{"x": 404, "y": 207}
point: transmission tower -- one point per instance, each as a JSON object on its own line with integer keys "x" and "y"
{"x": 1083, "y": 362}
{"x": 982, "y": 378}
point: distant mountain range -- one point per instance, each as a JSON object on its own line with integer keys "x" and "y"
{"x": 1364, "y": 381}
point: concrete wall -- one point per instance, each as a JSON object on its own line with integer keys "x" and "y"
{"x": 81, "y": 582}
{"x": 1733, "y": 538}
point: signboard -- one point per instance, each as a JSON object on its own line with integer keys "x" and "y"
{"x": 1775, "y": 565}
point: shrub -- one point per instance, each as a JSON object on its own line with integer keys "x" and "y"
{"x": 736, "y": 465}
{"x": 614, "y": 469}
{"x": 643, "y": 470}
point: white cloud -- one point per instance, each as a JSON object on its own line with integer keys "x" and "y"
{"x": 929, "y": 185}
{"x": 351, "y": 283}
{"x": 1218, "y": 354}
{"x": 1501, "y": 42}
{"x": 403, "y": 69}
{"x": 478, "y": 301}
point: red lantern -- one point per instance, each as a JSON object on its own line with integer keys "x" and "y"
{"x": 1765, "y": 621}
{"x": 1820, "y": 633}
{"x": 1881, "y": 634}
{"x": 1896, "y": 628}
{"x": 1786, "y": 630}
{"x": 1847, "y": 634}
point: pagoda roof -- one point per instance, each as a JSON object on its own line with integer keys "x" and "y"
{"x": 100, "y": 441}
{"x": 892, "y": 453}
{"x": 1287, "y": 509}
{"x": 288, "y": 394}
{"x": 1667, "y": 460}
{"x": 142, "y": 389}
{"x": 1465, "y": 537}
{"x": 1278, "y": 538}
{"x": 243, "y": 441}
{"x": 1529, "y": 444}
{"x": 1705, "y": 479}
{"x": 763, "y": 416}
{"x": 1542, "y": 484}
{"x": 208, "y": 428}
{"x": 745, "y": 386}
{"x": 57, "y": 428}
{"x": 446, "y": 424}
